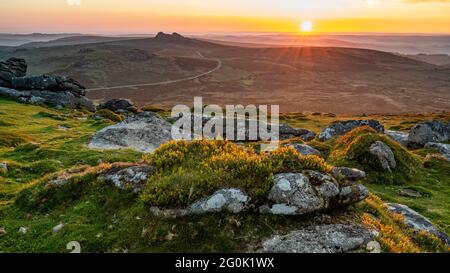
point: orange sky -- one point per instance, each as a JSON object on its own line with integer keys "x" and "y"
{"x": 195, "y": 16}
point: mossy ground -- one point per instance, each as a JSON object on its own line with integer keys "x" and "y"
{"x": 105, "y": 219}
{"x": 353, "y": 150}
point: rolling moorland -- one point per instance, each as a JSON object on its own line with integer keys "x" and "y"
{"x": 57, "y": 186}
{"x": 315, "y": 79}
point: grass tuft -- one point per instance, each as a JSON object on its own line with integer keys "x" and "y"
{"x": 352, "y": 150}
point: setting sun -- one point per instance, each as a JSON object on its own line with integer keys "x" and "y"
{"x": 306, "y": 26}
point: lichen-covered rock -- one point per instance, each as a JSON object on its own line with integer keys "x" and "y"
{"x": 310, "y": 191}
{"x": 231, "y": 200}
{"x": 384, "y": 154}
{"x": 348, "y": 173}
{"x": 305, "y": 149}
{"x": 416, "y": 221}
{"x": 143, "y": 132}
{"x": 295, "y": 190}
{"x": 129, "y": 177}
{"x": 343, "y": 127}
{"x": 442, "y": 148}
{"x": 400, "y": 137}
{"x": 335, "y": 238}
{"x": 429, "y": 131}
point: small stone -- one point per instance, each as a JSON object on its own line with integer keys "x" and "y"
{"x": 373, "y": 247}
{"x": 23, "y": 230}
{"x": 133, "y": 177}
{"x": 409, "y": 193}
{"x": 3, "y": 168}
{"x": 305, "y": 150}
{"x": 57, "y": 228}
{"x": 3, "y": 231}
{"x": 348, "y": 173}
{"x": 118, "y": 105}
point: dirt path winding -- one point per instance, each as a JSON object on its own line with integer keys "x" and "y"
{"x": 219, "y": 65}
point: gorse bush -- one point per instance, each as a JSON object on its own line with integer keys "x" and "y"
{"x": 189, "y": 171}
{"x": 352, "y": 150}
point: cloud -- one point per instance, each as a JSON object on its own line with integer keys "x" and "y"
{"x": 73, "y": 2}
{"x": 426, "y": 1}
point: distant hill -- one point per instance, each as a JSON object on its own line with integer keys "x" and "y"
{"x": 405, "y": 44}
{"x": 75, "y": 40}
{"x": 437, "y": 59}
{"x": 7, "y": 39}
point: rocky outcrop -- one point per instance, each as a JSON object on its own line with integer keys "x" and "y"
{"x": 143, "y": 132}
{"x": 174, "y": 37}
{"x": 400, "y": 137}
{"x": 305, "y": 149}
{"x": 442, "y": 148}
{"x": 119, "y": 106}
{"x": 13, "y": 67}
{"x": 51, "y": 90}
{"x": 56, "y": 99}
{"x": 48, "y": 83}
{"x": 429, "y": 131}
{"x": 416, "y": 221}
{"x": 129, "y": 177}
{"x": 291, "y": 194}
{"x": 343, "y": 127}
{"x": 384, "y": 154}
{"x": 231, "y": 200}
{"x": 335, "y": 238}
{"x": 310, "y": 191}
{"x": 287, "y": 132}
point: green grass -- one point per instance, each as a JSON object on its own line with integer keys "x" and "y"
{"x": 433, "y": 182}
{"x": 44, "y": 140}
{"x": 108, "y": 114}
{"x": 38, "y": 142}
